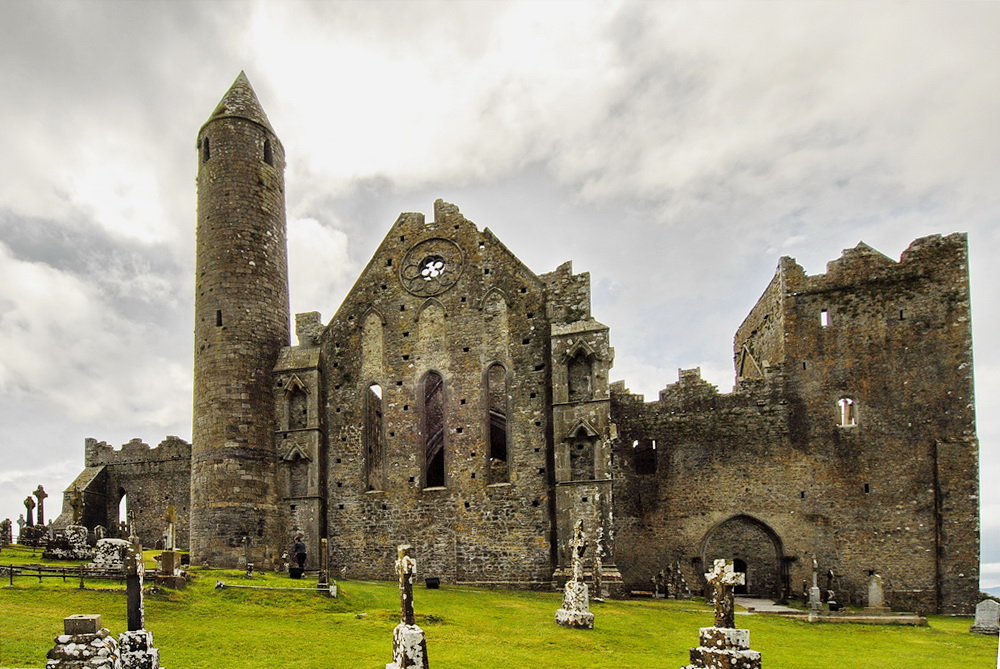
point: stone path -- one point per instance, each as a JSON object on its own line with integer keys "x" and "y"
{"x": 763, "y": 606}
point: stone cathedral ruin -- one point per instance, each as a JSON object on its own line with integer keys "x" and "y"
{"x": 460, "y": 402}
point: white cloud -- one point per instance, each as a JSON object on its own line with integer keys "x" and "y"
{"x": 320, "y": 271}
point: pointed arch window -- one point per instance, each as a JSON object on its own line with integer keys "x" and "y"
{"x": 434, "y": 428}
{"x": 496, "y": 393}
{"x": 580, "y": 376}
{"x": 374, "y": 439}
{"x": 848, "y": 412}
{"x": 298, "y": 408}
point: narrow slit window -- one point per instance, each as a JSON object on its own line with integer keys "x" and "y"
{"x": 824, "y": 318}
{"x": 206, "y": 150}
{"x": 434, "y": 427}
{"x": 496, "y": 391}
{"x": 374, "y": 439}
{"x": 848, "y": 412}
{"x": 218, "y": 318}
{"x": 268, "y": 152}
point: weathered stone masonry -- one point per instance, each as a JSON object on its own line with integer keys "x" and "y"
{"x": 460, "y": 402}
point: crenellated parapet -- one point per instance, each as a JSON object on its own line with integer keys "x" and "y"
{"x": 100, "y": 453}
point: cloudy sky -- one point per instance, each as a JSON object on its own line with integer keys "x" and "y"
{"x": 674, "y": 150}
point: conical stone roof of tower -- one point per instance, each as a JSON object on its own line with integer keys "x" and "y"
{"x": 241, "y": 101}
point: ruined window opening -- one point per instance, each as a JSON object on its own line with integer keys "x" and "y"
{"x": 496, "y": 393}
{"x": 123, "y": 517}
{"x": 645, "y": 457}
{"x": 581, "y": 459}
{"x": 902, "y": 315}
{"x": 298, "y": 477}
{"x": 824, "y": 318}
{"x": 268, "y": 152}
{"x": 374, "y": 438}
{"x": 868, "y": 487}
{"x": 434, "y": 427}
{"x": 802, "y": 494}
{"x": 218, "y": 318}
{"x": 848, "y": 412}
{"x": 206, "y": 151}
{"x": 580, "y": 377}
{"x": 298, "y": 409}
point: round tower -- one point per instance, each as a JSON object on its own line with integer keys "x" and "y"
{"x": 241, "y": 323}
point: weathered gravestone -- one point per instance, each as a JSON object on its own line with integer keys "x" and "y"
{"x": 85, "y": 643}
{"x": 987, "y": 613}
{"x": 409, "y": 646}
{"x": 136, "y": 645}
{"x": 723, "y": 645}
{"x": 69, "y": 543}
{"x": 6, "y": 533}
{"x": 575, "y": 611}
{"x": 876, "y": 596}
{"x": 815, "y": 595}
{"x": 110, "y": 555}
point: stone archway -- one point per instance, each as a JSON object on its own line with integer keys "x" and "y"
{"x": 753, "y": 545}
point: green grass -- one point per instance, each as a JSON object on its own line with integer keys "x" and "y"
{"x": 201, "y": 627}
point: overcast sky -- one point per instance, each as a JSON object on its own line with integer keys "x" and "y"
{"x": 674, "y": 150}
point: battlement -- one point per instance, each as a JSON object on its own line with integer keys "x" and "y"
{"x": 98, "y": 453}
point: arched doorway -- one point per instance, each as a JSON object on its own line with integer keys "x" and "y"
{"x": 755, "y": 549}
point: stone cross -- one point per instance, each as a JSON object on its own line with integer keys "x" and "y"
{"x": 76, "y": 502}
{"x": 599, "y": 564}
{"x": 405, "y": 568}
{"x": 41, "y": 495}
{"x": 21, "y": 523}
{"x": 723, "y": 578}
{"x": 134, "y": 570}
{"x": 578, "y": 546}
{"x": 29, "y": 505}
{"x": 171, "y": 518}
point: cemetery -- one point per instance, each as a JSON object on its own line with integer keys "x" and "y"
{"x": 462, "y": 626}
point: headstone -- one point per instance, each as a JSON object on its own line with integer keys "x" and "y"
{"x": 100, "y": 532}
{"x": 84, "y": 644}
{"x": 29, "y": 506}
{"x": 6, "y": 534}
{"x": 171, "y": 531}
{"x": 40, "y": 495}
{"x": 987, "y": 614}
{"x": 324, "y": 564}
{"x": 109, "y": 555}
{"x": 69, "y": 543}
{"x": 876, "y": 596}
{"x": 723, "y": 645}
{"x": 135, "y": 568}
{"x": 575, "y": 611}
{"x": 682, "y": 589}
{"x": 409, "y": 646}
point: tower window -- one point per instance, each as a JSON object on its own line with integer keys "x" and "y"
{"x": 218, "y": 318}
{"x": 206, "y": 150}
{"x": 824, "y": 318}
{"x": 268, "y": 152}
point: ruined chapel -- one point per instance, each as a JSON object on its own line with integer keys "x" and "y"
{"x": 462, "y": 403}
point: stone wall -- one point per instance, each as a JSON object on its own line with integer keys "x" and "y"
{"x": 850, "y": 437}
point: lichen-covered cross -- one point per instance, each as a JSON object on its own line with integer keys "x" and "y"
{"x": 405, "y": 568}
{"x": 723, "y": 578}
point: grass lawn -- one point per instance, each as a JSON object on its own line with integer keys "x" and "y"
{"x": 202, "y": 627}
